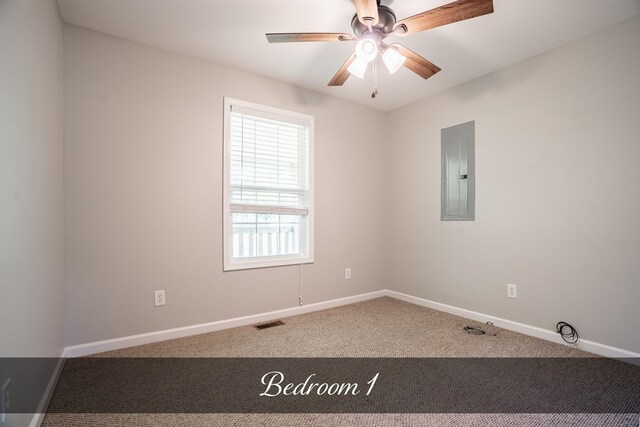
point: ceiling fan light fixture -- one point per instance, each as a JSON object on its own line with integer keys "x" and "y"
{"x": 367, "y": 50}
{"x": 358, "y": 67}
{"x": 393, "y": 59}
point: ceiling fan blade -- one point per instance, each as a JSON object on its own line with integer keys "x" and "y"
{"x": 367, "y": 11}
{"x": 443, "y": 15}
{"x": 308, "y": 37}
{"x": 417, "y": 63}
{"x": 343, "y": 74}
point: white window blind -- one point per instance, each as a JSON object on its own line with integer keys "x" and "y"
{"x": 268, "y": 186}
{"x": 269, "y": 164}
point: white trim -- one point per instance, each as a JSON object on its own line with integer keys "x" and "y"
{"x": 267, "y": 262}
{"x": 187, "y": 331}
{"x": 534, "y": 331}
{"x": 141, "y": 339}
{"x": 38, "y": 417}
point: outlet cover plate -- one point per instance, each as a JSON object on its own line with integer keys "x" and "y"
{"x": 512, "y": 291}
{"x": 159, "y": 298}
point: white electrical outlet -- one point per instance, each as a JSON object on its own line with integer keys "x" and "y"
{"x": 512, "y": 291}
{"x": 347, "y": 273}
{"x": 159, "y": 298}
{"x": 5, "y": 400}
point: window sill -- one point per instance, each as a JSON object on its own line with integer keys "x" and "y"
{"x": 251, "y": 264}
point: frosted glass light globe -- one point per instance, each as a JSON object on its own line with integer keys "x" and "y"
{"x": 366, "y": 50}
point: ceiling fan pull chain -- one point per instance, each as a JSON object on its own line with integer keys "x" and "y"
{"x": 375, "y": 79}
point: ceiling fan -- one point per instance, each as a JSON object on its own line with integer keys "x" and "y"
{"x": 374, "y": 22}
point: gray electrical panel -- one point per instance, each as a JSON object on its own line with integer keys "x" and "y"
{"x": 458, "y": 173}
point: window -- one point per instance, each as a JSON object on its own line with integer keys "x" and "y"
{"x": 268, "y": 186}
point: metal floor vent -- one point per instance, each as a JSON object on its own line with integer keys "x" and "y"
{"x": 269, "y": 325}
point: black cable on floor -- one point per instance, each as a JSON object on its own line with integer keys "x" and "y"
{"x": 567, "y": 332}
{"x": 477, "y": 330}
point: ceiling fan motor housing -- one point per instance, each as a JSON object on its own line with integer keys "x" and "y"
{"x": 386, "y": 21}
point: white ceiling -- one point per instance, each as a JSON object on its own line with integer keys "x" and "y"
{"x": 232, "y": 32}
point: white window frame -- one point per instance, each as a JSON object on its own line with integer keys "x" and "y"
{"x": 230, "y": 263}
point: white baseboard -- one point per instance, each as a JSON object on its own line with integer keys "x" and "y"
{"x": 148, "y": 338}
{"x": 38, "y": 417}
{"x": 151, "y": 337}
{"x": 534, "y": 331}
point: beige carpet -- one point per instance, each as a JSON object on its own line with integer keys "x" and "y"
{"x": 383, "y": 327}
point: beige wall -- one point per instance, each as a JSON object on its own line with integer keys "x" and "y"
{"x": 143, "y": 182}
{"x": 32, "y": 292}
{"x": 31, "y": 190}
{"x": 557, "y": 201}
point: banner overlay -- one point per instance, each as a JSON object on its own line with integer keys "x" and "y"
{"x": 328, "y": 385}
